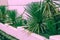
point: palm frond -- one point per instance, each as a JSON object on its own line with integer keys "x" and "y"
{"x": 43, "y": 17}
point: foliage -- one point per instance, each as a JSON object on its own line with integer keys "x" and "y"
{"x": 36, "y": 19}
{"x": 2, "y": 13}
{"x": 14, "y": 20}
{"x": 43, "y": 19}
{"x": 10, "y": 17}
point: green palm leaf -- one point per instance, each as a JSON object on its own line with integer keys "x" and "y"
{"x": 2, "y": 14}
{"x": 43, "y": 17}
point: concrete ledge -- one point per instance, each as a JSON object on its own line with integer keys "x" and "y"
{"x": 20, "y": 33}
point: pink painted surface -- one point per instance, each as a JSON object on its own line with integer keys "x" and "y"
{"x": 55, "y": 37}
{"x": 21, "y": 2}
{"x": 19, "y": 9}
{"x": 19, "y": 5}
{"x": 9, "y": 30}
{"x": 36, "y": 37}
{"x": 20, "y": 33}
{"x": 3, "y": 2}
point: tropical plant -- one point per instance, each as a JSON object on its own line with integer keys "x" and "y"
{"x": 43, "y": 17}
{"x": 10, "y": 17}
{"x": 36, "y": 19}
{"x": 2, "y": 14}
{"x": 13, "y": 20}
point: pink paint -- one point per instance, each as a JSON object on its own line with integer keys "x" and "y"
{"x": 20, "y": 33}
{"x": 19, "y": 5}
{"x": 21, "y": 2}
{"x": 55, "y": 37}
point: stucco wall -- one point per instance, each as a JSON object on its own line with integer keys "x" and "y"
{"x": 3, "y": 2}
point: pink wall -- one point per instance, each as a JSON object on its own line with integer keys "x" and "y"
{"x": 3, "y": 2}
{"x": 19, "y": 5}
{"x": 21, "y": 2}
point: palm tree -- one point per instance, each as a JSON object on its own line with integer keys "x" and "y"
{"x": 10, "y": 17}
{"x": 36, "y": 17}
{"x": 2, "y": 13}
{"x": 43, "y": 17}
{"x": 13, "y": 19}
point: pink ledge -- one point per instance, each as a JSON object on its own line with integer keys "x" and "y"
{"x": 55, "y": 37}
{"x": 20, "y": 33}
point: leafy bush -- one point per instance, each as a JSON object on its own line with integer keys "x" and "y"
{"x": 43, "y": 19}
{"x": 10, "y": 17}
{"x": 3, "y": 13}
